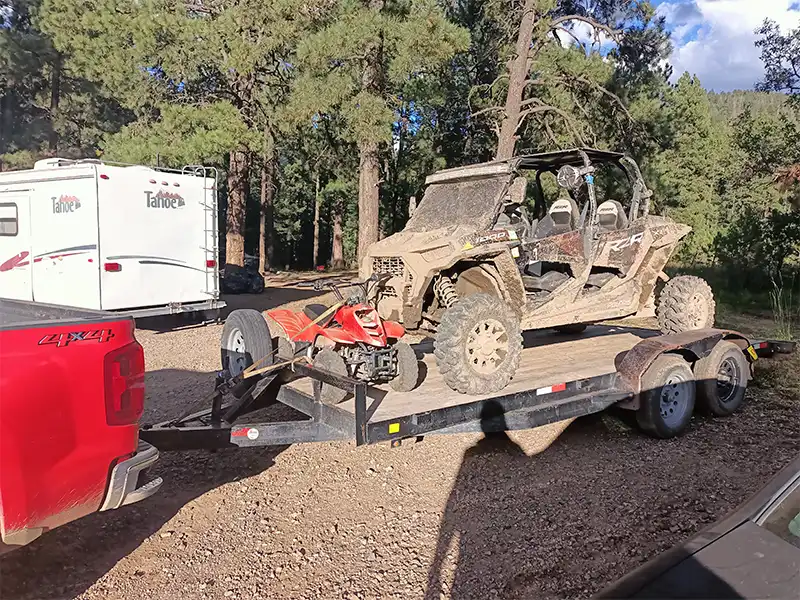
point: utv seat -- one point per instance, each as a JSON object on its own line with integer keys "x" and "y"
{"x": 561, "y": 218}
{"x": 315, "y": 311}
{"x": 611, "y": 216}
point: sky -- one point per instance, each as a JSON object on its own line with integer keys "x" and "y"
{"x": 714, "y": 39}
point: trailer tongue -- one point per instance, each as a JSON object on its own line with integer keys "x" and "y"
{"x": 561, "y": 377}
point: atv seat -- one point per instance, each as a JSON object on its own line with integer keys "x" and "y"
{"x": 315, "y": 311}
{"x": 611, "y": 216}
{"x": 561, "y": 218}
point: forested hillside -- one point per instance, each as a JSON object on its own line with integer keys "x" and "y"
{"x": 325, "y": 116}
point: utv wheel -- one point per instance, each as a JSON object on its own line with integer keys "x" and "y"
{"x": 667, "y": 397}
{"x": 686, "y": 303}
{"x": 572, "y": 329}
{"x": 328, "y": 360}
{"x": 722, "y": 379}
{"x": 407, "y": 368}
{"x": 478, "y": 345}
{"x": 245, "y": 340}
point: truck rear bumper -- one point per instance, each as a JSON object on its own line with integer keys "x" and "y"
{"x": 124, "y": 485}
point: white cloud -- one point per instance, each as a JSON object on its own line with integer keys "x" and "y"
{"x": 714, "y": 39}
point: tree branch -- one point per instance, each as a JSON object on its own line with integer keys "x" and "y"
{"x": 548, "y": 108}
{"x": 596, "y": 25}
{"x": 486, "y": 110}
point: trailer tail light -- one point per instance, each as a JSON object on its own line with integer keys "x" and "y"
{"x": 103, "y": 176}
{"x": 124, "y": 384}
{"x": 112, "y": 267}
{"x": 210, "y": 264}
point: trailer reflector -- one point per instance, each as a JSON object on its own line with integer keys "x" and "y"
{"x": 112, "y": 267}
{"x": 394, "y": 427}
{"x": 551, "y": 389}
{"x": 210, "y": 264}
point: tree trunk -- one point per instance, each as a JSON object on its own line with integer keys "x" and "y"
{"x": 368, "y": 197}
{"x": 55, "y": 98}
{"x": 369, "y": 167}
{"x": 315, "y": 260}
{"x": 517, "y": 75}
{"x": 266, "y": 247}
{"x": 337, "y": 252}
{"x": 238, "y": 174}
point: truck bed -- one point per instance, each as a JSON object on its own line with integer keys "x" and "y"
{"x": 548, "y": 358}
{"x": 20, "y": 313}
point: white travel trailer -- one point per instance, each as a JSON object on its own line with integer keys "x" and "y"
{"x": 103, "y": 236}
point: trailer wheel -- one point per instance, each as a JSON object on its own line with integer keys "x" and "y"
{"x": 478, "y": 345}
{"x": 722, "y": 379}
{"x": 407, "y": 368}
{"x": 328, "y": 360}
{"x": 667, "y": 397}
{"x": 245, "y": 340}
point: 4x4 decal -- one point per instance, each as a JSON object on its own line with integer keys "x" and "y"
{"x": 64, "y": 339}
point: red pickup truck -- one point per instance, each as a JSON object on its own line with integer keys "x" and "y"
{"x": 71, "y": 395}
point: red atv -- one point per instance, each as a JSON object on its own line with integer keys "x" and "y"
{"x": 349, "y": 339}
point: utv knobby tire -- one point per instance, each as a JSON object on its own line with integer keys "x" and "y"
{"x": 330, "y": 361}
{"x": 450, "y": 346}
{"x": 723, "y": 397}
{"x": 669, "y": 374}
{"x": 407, "y": 368}
{"x": 245, "y": 340}
{"x": 686, "y": 303}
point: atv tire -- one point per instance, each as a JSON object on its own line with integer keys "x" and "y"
{"x": 722, "y": 379}
{"x": 329, "y": 360}
{"x": 478, "y": 345}
{"x": 407, "y": 368}
{"x": 686, "y": 303}
{"x": 668, "y": 397}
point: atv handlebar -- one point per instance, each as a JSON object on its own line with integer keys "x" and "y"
{"x": 364, "y": 288}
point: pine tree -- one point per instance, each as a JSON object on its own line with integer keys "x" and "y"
{"x": 371, "y": 54}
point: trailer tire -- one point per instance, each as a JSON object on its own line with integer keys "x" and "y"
{"x": 668, "y": 397}
{"x": 329, "y": 360}
{"x": 685, "y": 304}
{"x": 459, "y": 335}
{"x": 407, "y": 368}
{"x": 245, "y": 340}
{"x": 722, "y": 397}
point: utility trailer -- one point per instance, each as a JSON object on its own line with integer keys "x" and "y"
{"x": 660, "y": 378}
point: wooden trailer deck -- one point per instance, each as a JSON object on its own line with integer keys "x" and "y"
{"x": 548, "y": 358}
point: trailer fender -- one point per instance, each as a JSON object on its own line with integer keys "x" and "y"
{"x": 692, "y": 345}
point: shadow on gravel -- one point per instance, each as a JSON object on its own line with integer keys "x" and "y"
{"x": 479, "y": 547}
{"x": 65, "y": 562}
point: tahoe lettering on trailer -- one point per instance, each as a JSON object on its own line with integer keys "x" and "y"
{"x": 164, "y": 199}
{"x": 65, "y": 204}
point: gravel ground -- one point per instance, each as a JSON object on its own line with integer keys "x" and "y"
{"x": 451, "y": 517}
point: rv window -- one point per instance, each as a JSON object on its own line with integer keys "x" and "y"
{"x": 9, "y": 224}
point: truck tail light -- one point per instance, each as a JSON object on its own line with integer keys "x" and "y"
{"x": 124, "y": 384}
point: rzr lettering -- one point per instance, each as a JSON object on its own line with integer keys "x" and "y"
{"x": 622, "y": 244}
{"x": 64, "y": 339}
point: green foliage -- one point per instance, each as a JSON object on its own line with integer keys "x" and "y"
{"x": 182, "y": 135}
{"x": 412, "y": 38}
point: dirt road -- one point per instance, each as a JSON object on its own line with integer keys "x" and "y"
{"x": 451, "y": 517}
